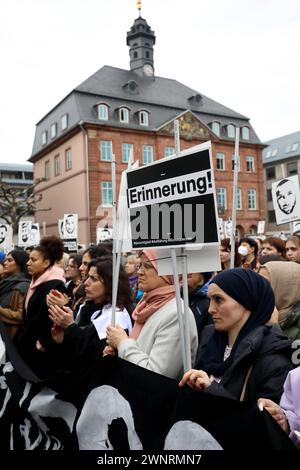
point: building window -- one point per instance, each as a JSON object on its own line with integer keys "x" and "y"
{"x": 64, "y": 122}
{"x": 271, "y": 173}
{"x": 239, "y": 198}
{"x": 147, "y": 154}
{"x": 238, "y": 162}
{"x": 268, "y": 154}
{"x": 53, "y": 130}
{"x": 221, "y": 198}
{"x": 220, "y": 161}
{"x": 144, "y": 118}
{"x": 231, "y": 131}
{"x": 169, "y": 151}
{"x": 105, "y": 150}
{"x": 269, "y": 195}
{"x": 271, "y": 216}
{"x": 295, "y": 147}
{"x": 274, "y": 152}
{"x": 250, "y": 163}
{"x": 103, "y": 112}
{"x": 215, "y": 127}
{"x": 292, "y": 168}
{"x": 251, "y": 199}
{"x": 288, "y": 149}
{"x": 245, "y": 133}
{"x": 47, "y": 170}
{"x": 44, "y": 137}
{"x": 57, "y": 165}
{"x": 124, "y": 115}
{"x": 127, "y": 150}
{"x": 68, "y": 159}
{"x": 106, "y": 193}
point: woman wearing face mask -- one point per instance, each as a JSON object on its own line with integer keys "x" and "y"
{"x": 240, "y": 357}
{"x": 248, "y": 250}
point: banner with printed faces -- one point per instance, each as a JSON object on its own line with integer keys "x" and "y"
{"x": 286, "y": 199}
{"x": 28, "y": 233}
{"x": 70, "y": 226}
{"x": 296, "y": 226}
{"x": 172, "y": 201}
{"x": 6, "y": 236}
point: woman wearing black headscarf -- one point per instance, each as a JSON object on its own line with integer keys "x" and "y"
{"x": 240, "y": 357}
{"x": 13, "y": 289}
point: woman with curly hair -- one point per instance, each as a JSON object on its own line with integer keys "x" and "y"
{"x": 34, "y": 337}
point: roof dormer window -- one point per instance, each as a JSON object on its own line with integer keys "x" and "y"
{"x": 44, "y": 137}
{"x": 245, "y": 133}
{"x": 231, "y": 131}
{"x": 124, "y": 115}
{"x": 215, "y": 127}
{"x": 53, "y": 130}
{"x": 144, "y": 118}
{"x": 102, "y": 110}
{"x": 64, "y": 122}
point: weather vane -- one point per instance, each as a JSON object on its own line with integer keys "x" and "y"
{"x": 139, "y": 6}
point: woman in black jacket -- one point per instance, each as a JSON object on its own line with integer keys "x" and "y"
{"x": 34, "y": 338}
{"x": 13, "y": 289}
{"x": 240, "y": 357}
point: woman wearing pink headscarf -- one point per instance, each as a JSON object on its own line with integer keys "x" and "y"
{"x": 154, "y": 342}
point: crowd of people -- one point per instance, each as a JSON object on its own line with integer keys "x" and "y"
{"x": 57, "y": 309}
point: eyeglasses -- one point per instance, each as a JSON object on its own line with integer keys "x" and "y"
{"x": 144, "y": 266}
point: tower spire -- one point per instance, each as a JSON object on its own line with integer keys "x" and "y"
{"x": 139, "y": 6}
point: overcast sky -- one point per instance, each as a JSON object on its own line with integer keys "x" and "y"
{"x": 241, "y": 53}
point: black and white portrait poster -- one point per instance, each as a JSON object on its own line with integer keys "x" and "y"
{"x": 28, "y": 233}
{"x": 70, "y": 226}
{"x": 5, "y": 237}
{"x": 286, "y": 199}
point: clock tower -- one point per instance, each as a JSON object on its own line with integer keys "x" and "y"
{"x": 141, "y": 40}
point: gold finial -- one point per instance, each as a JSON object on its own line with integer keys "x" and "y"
{"x": 139, "y": 6}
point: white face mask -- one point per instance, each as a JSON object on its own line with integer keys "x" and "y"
{"x": 242, "y": 250}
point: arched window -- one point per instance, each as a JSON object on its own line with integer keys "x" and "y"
{"x": 231, "y": 130}
{"x": 144, "y": 118}
{"x": 103, "y": 112}
{"x": 215, "y": 126}
{"x": 124, "y": 115}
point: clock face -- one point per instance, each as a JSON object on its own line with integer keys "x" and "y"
{"x": 148, "y": 70}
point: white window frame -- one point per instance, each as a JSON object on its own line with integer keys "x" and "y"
{"x": 56, "y": 165}
{"x": 68, "y": 159}
{"x": 126, "y": 149}
{"x": 220, "y": 157}
{"x": 64, "y": 122}
{"x": 250, "y": 162}
{"x": 105, "y": 150}
{"x": 222, "y": 197}
{"x": 102, "y": 111}
{"x": 144, "y": 118}
{"x": 245, "y": 133}
{"x": 44, "y": 137}
{"x": 106, "y": 194}
{"x": 53, "y": 130}
{"x": 147, "y": 154}
{"x": 169, "y": 151}
{"x": 251, "y": 193}
{"x": 239, "y": 200}
{"x": 231, "y": 131}
{"x": 216, "y": 127}
{"x": 47, "y": 170}
{"x": 124, "y": 115}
